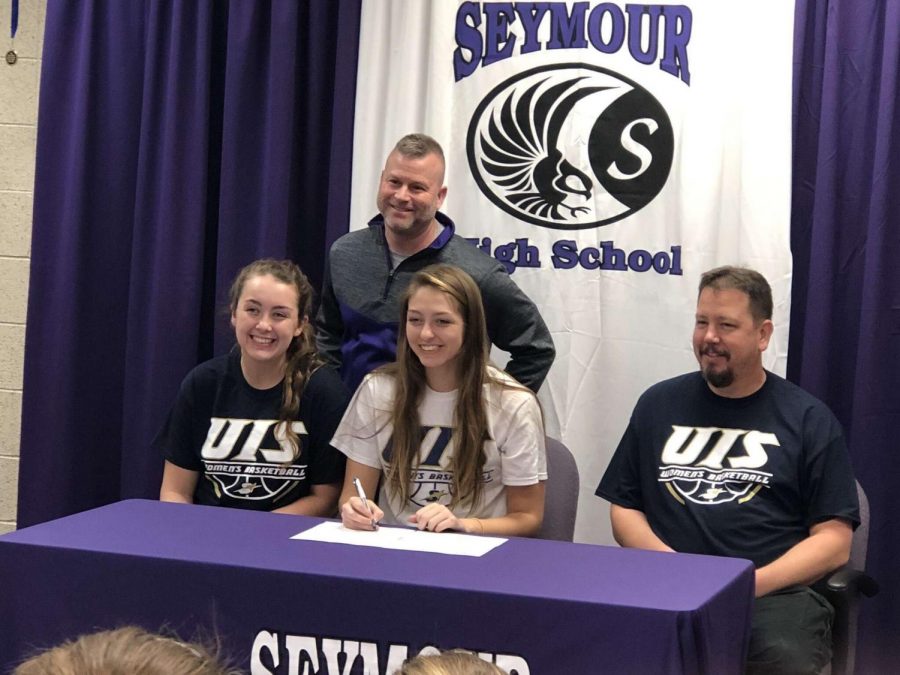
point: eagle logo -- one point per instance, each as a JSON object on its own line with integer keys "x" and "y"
{"x": 570, "y": 146}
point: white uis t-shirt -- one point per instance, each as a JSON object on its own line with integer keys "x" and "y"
{"x": 515, "y": 453}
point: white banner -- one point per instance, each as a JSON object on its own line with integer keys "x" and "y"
{"x": 608, "y": 153}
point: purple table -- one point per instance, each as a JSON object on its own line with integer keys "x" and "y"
{"x": 282, "y": 605}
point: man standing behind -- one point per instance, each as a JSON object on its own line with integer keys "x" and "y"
{"x": 368, "y": 270}
{"x": 736, "y": 461}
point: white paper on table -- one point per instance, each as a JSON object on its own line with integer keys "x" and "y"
{"x": 403, "y": 539}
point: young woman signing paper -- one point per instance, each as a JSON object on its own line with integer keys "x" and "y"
{"x": 452, "y": 442}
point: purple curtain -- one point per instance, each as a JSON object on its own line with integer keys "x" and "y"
{"x": 177, "y": 141}
{"x": 845, "y": 318}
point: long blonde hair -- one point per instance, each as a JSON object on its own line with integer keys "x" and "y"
{"x": 469, "y": 417}
{"x": 302, "y": 357}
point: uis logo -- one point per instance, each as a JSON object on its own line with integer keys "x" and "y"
{"x": 570, "y": 146}
{"x": 711, "y": 465}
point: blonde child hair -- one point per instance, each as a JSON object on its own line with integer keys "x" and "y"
{"x": 126, "y": 651}
{"x": 454, "y": 662}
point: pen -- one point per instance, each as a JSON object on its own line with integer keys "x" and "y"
{"x": 362, "y": 495}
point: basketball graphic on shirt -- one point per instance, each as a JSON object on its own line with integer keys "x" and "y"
{"x": 711, "y": 465}
{"x": 431, "y": 485}
{"x": 249, "y": 460}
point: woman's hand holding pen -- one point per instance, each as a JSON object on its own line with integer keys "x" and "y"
{"x": 357, "y": 515}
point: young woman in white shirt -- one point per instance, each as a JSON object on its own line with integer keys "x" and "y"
{"x": 448, "y": 441}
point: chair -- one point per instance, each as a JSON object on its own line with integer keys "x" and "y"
{"x": 561, "y": 493}
{"x": 844, "y": 588}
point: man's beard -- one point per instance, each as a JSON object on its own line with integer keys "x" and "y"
{"x": 718, "y": 378}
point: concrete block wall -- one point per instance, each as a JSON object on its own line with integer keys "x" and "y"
{"x": 18, "y": 133}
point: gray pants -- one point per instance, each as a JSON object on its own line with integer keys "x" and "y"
{"x": 790, "y": 633}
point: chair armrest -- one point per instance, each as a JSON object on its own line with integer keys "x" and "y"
{"x": 849, "y": 580}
